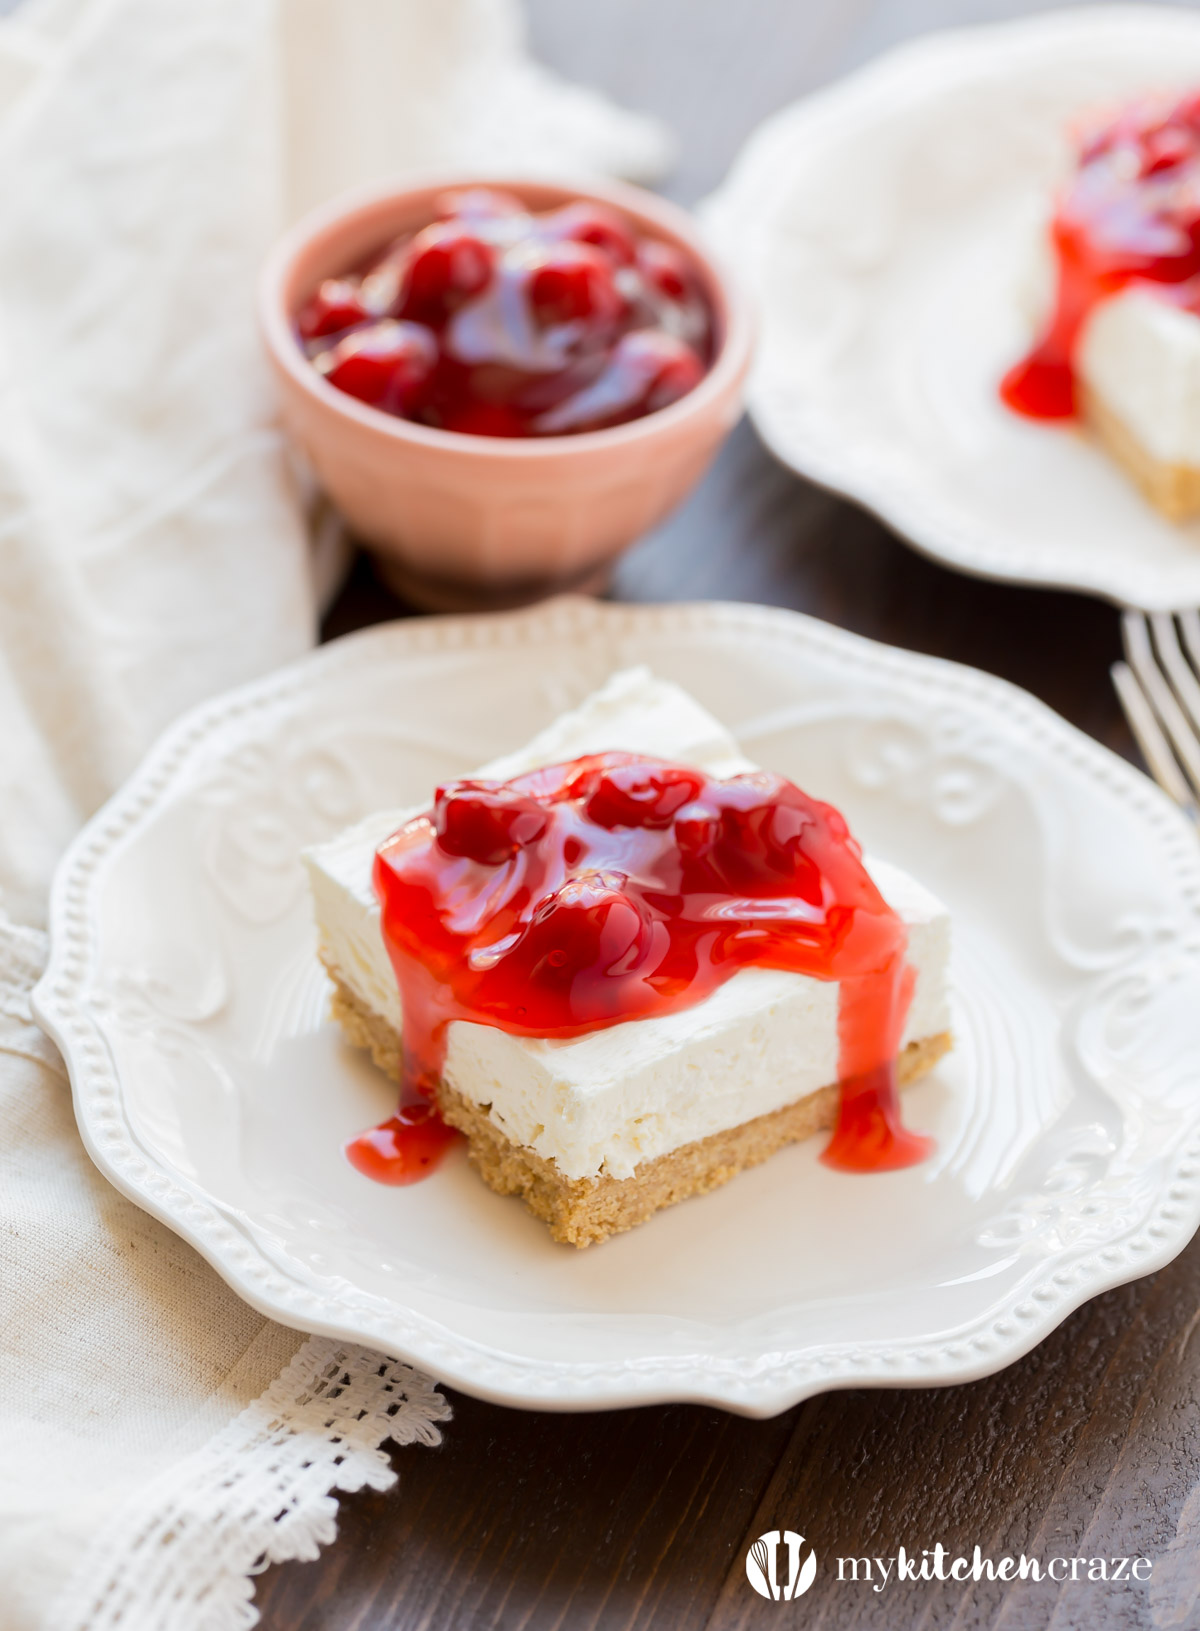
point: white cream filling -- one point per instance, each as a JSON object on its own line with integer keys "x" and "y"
{"x": 609, "y": 1100}
{"x": 1140, "y": 355}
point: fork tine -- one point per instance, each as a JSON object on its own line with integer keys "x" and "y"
{"x": 1189, "y": 623}
{"x": 1179, "y": 670}
{"x": 1148, "y": 734}
{"x": 1136, "y": 636}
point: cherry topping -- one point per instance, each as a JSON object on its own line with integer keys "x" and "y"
{"x": 1164, "y": 149}
{"x": 664, "y": 269}
{"x": 488, "y": 824}
{"x": 385, "y": 364}
{"x": 763, "y": 831}
{"x": 483, "y": 419}
{"x": 697, "y": 829}
{"x": 587, "y": 935}
{"x": 448, "y": 263}
{"x": 674, "y": 367}
{"x": 379, "y": 290}
{"x": 542, "y": 324}
{"x": 641, "y": 794}
{"x": 574, "y": 283}
{"x": 335, "y": 306}
{"x": 646, "y": 370}
{"x": 594, "y": 224}
{"x": 581, "y": 896}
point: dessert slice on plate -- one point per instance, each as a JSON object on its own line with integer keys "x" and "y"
{"x": 1120, "y": 303}
{"x": 626, "y": 964}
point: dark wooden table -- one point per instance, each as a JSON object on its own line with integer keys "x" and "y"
{"x": 1090, "y": 1445}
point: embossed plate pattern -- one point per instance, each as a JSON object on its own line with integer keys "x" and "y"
{"x": 210, "y": 1087}
{"x": 887, "y": 228}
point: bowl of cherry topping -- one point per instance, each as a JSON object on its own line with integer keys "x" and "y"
{"x": 502, "y": 385}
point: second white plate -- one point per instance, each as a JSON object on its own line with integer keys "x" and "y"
{"x": 185, "y": 994}
{"x": 885, "y": 227}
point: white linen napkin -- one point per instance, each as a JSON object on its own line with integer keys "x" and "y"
{"x": 158, "y": 1437}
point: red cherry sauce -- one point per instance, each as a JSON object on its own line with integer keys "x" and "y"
{"x": 497, "y": 321}
{"x": 1130, "y": 215}
{"x": 616, "y": 887}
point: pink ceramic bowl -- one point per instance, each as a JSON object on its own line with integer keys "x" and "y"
{"x": 456, "y": 520}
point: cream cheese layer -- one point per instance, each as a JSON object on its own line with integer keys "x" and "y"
{"x": 1140, "y": 355}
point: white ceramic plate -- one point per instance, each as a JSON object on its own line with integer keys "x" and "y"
{"x": 887, "y": 228}
{"x": 209, "y": 1086}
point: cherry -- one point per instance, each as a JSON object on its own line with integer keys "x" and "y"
{"x": 764, "y": 822}
{"x": 641, "y": 795}
{"x": 646, "y": 370}
{"x": 578, "y": 779}
{"x": 595, "y": 224}
{"x": 1187, "y": 111}
{"x": 486, "y": 822}
{"x": 380, "y": 290}
{"x": 468, "y": 418}
{"x": 385, "y": 364}
{"x": 1095, "y": 146}
{"x": 447, "y": 265}
{"x": 589, "y": 927}
{"x": 677, "y": 369}
{"x": 656, "y": 368}
{"x": 574, "y": 283}
{"x": 750, "y": 806}
{"x": 335, "y": 306}
{"x": 697, "y": 829}
{"x": 1164, "y": 149}
{"x": 664, "y": 269}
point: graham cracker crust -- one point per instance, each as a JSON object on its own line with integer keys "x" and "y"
{"x": 579, "y": 1211}
{"x": 1173, "y": 489}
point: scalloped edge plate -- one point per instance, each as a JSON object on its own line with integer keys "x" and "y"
{"x": 1069, "y": 1126}
{"x": 888, "y": 318}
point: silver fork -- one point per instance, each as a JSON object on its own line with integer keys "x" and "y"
{"x": 1159, "y": 689}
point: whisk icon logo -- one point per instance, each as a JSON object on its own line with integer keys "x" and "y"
{"x": 764, "y": 1566}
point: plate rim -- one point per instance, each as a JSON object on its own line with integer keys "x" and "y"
{"x": 938, "y": 57}
{"x": 1023, "y": 1317}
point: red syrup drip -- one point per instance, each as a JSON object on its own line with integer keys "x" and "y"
{"x": 616, "y": 887}
{"x": 1130, "y": 215}
{"x": 496, "y": 321}
{"x": 405, "y": 1148}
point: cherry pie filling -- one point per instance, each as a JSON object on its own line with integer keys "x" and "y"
{"x": 497, "y": 321}
{"x": 617, "y": 887}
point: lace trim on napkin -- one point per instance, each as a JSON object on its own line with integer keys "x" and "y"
{"x": 182, "y": 1555}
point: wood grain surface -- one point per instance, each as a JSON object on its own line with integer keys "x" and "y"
{"x": 1090, "y": 1446}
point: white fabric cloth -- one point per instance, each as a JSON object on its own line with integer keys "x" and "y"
{"x": 158, "y": 1437}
